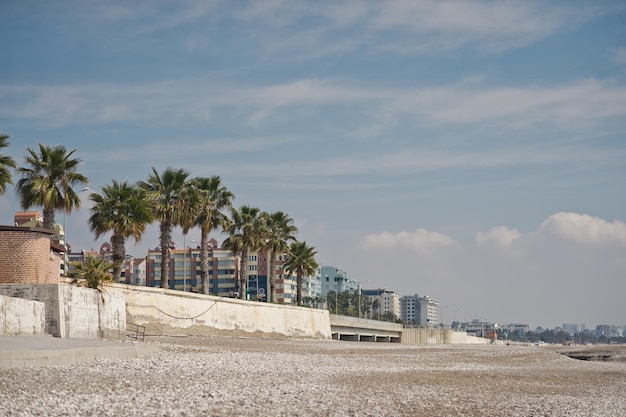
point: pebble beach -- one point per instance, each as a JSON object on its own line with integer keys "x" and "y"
{"x": 228, "y": 376}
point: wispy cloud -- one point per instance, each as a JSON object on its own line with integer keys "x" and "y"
{"x": 424, "y": 26}
{"x": 305, "y": 30}
{"x": 201, "y": 99}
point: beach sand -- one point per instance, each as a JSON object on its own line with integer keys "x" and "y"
{"x": 224, "y": 376}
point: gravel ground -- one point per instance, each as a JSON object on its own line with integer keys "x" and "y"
{"x": 221, "y": 376}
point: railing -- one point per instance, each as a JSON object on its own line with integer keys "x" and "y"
{"x": 136, "y": 331}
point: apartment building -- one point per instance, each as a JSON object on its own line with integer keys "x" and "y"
{"x": 334, "y": 279}
{"x": 409, "y": 309}
{"x": 185, "y": 270}
{"x": 428, "y": 312}
{"x": 386, "y": 301}
{"x": 223, "y": 274}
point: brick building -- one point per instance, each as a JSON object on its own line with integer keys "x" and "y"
{"x": 28, "y": 256}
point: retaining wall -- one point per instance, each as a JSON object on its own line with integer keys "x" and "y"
{"x": 75, "y": 312}
{"x": 462, "y": 338}
{"x": 21, "y": 317}
{"x": 169, "y": 312}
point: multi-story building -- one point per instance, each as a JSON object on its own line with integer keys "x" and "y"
{"x": 384, "y": 302}
{"x": 133, "y": 271}
{"x": 312, "y": 287}
{"x": 185, "y": 270}
{"x": 573, "y": 327}
{"x": 334, "y": 279}
{"x": 428, "y": 315}
{"x": 409, "y": 309}
{"x": 223, "y": 273}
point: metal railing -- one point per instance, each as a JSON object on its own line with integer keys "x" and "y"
{"x": 136, "y": 331}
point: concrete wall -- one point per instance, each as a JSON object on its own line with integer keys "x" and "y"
{"x": 439, "y": 336}
{"x": 75, "y": 312}
{"x": 168, "y": 312}
{"x": 462, "y": 338}
{"x": 21, "y": 317}
{"x": 426, "y": 336}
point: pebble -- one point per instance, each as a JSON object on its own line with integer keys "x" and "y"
{"x": 221, "y": 376}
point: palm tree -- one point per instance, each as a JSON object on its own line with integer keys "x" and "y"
{"x": 212, "y": 199}
{"x": 280, "y": 231}
{"x": 171, "y": 197}
{"x": 94, "y": 270}
{"x": 6, "y": 162}
{"x": 246, "y": 234}
{"x": 301, "y": 262}
{"x": 48, "y": 179}
{"x": 124, "y": 210}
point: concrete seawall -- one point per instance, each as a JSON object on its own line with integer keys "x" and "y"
{"x": 169, "y": 312}
{"x": 68, "y": 311}
{"x": 21, "y": 317}
{"x": 75, "y": 312}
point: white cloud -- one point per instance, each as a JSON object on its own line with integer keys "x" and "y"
{"x": 584, "y": 229}
{"x": 418, "y": 240}
{"x": 541, "y": 281}
{"x": 500, "y": 236}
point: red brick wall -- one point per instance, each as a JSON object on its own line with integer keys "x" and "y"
{"x": 26, "y": 258}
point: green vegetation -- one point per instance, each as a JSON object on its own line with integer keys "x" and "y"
{"x": 6, "y": 163}
{"x": 246, "y": 234}
{"x": 47, "y": 181}
{"x": 300, "y": 261}
{"x": 212, "y": 199}
{"x": 123, "y": 210}
{"x": 173, "y": 199}
{"x": 558, "y": 336}
{"x": 95, "y": 271}
{"x": 280, "y": 229}
{"x": 347, "y": 304}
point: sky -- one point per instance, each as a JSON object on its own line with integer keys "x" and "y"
{"x": 472, "y": 151}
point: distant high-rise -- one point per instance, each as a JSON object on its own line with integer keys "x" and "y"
{"x": 428, "y": 312}
{"x": 409, "y": 309}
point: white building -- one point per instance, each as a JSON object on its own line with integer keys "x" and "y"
{"x": 428, "y": 312}
{"x": 387, "y": 301}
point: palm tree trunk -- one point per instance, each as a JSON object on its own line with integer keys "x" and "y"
{"x": 299, "y": 288}
{"x": 243, "y": 274}
{"x": 119, "y": 253}
{"x": 166, "y": 239}
{"x": 204, "y": 261}
{"x": 48, "y": 218}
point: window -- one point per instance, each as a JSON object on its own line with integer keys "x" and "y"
{"x": 251, "y": 267}
{"x": 252, "y": 258}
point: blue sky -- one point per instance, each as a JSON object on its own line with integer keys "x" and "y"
{"x": 472, "y": 151}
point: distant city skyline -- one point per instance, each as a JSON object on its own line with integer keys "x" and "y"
{"x": 471, "y": 151}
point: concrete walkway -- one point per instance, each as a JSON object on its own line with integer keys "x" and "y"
{"x": 25, "y": 351}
